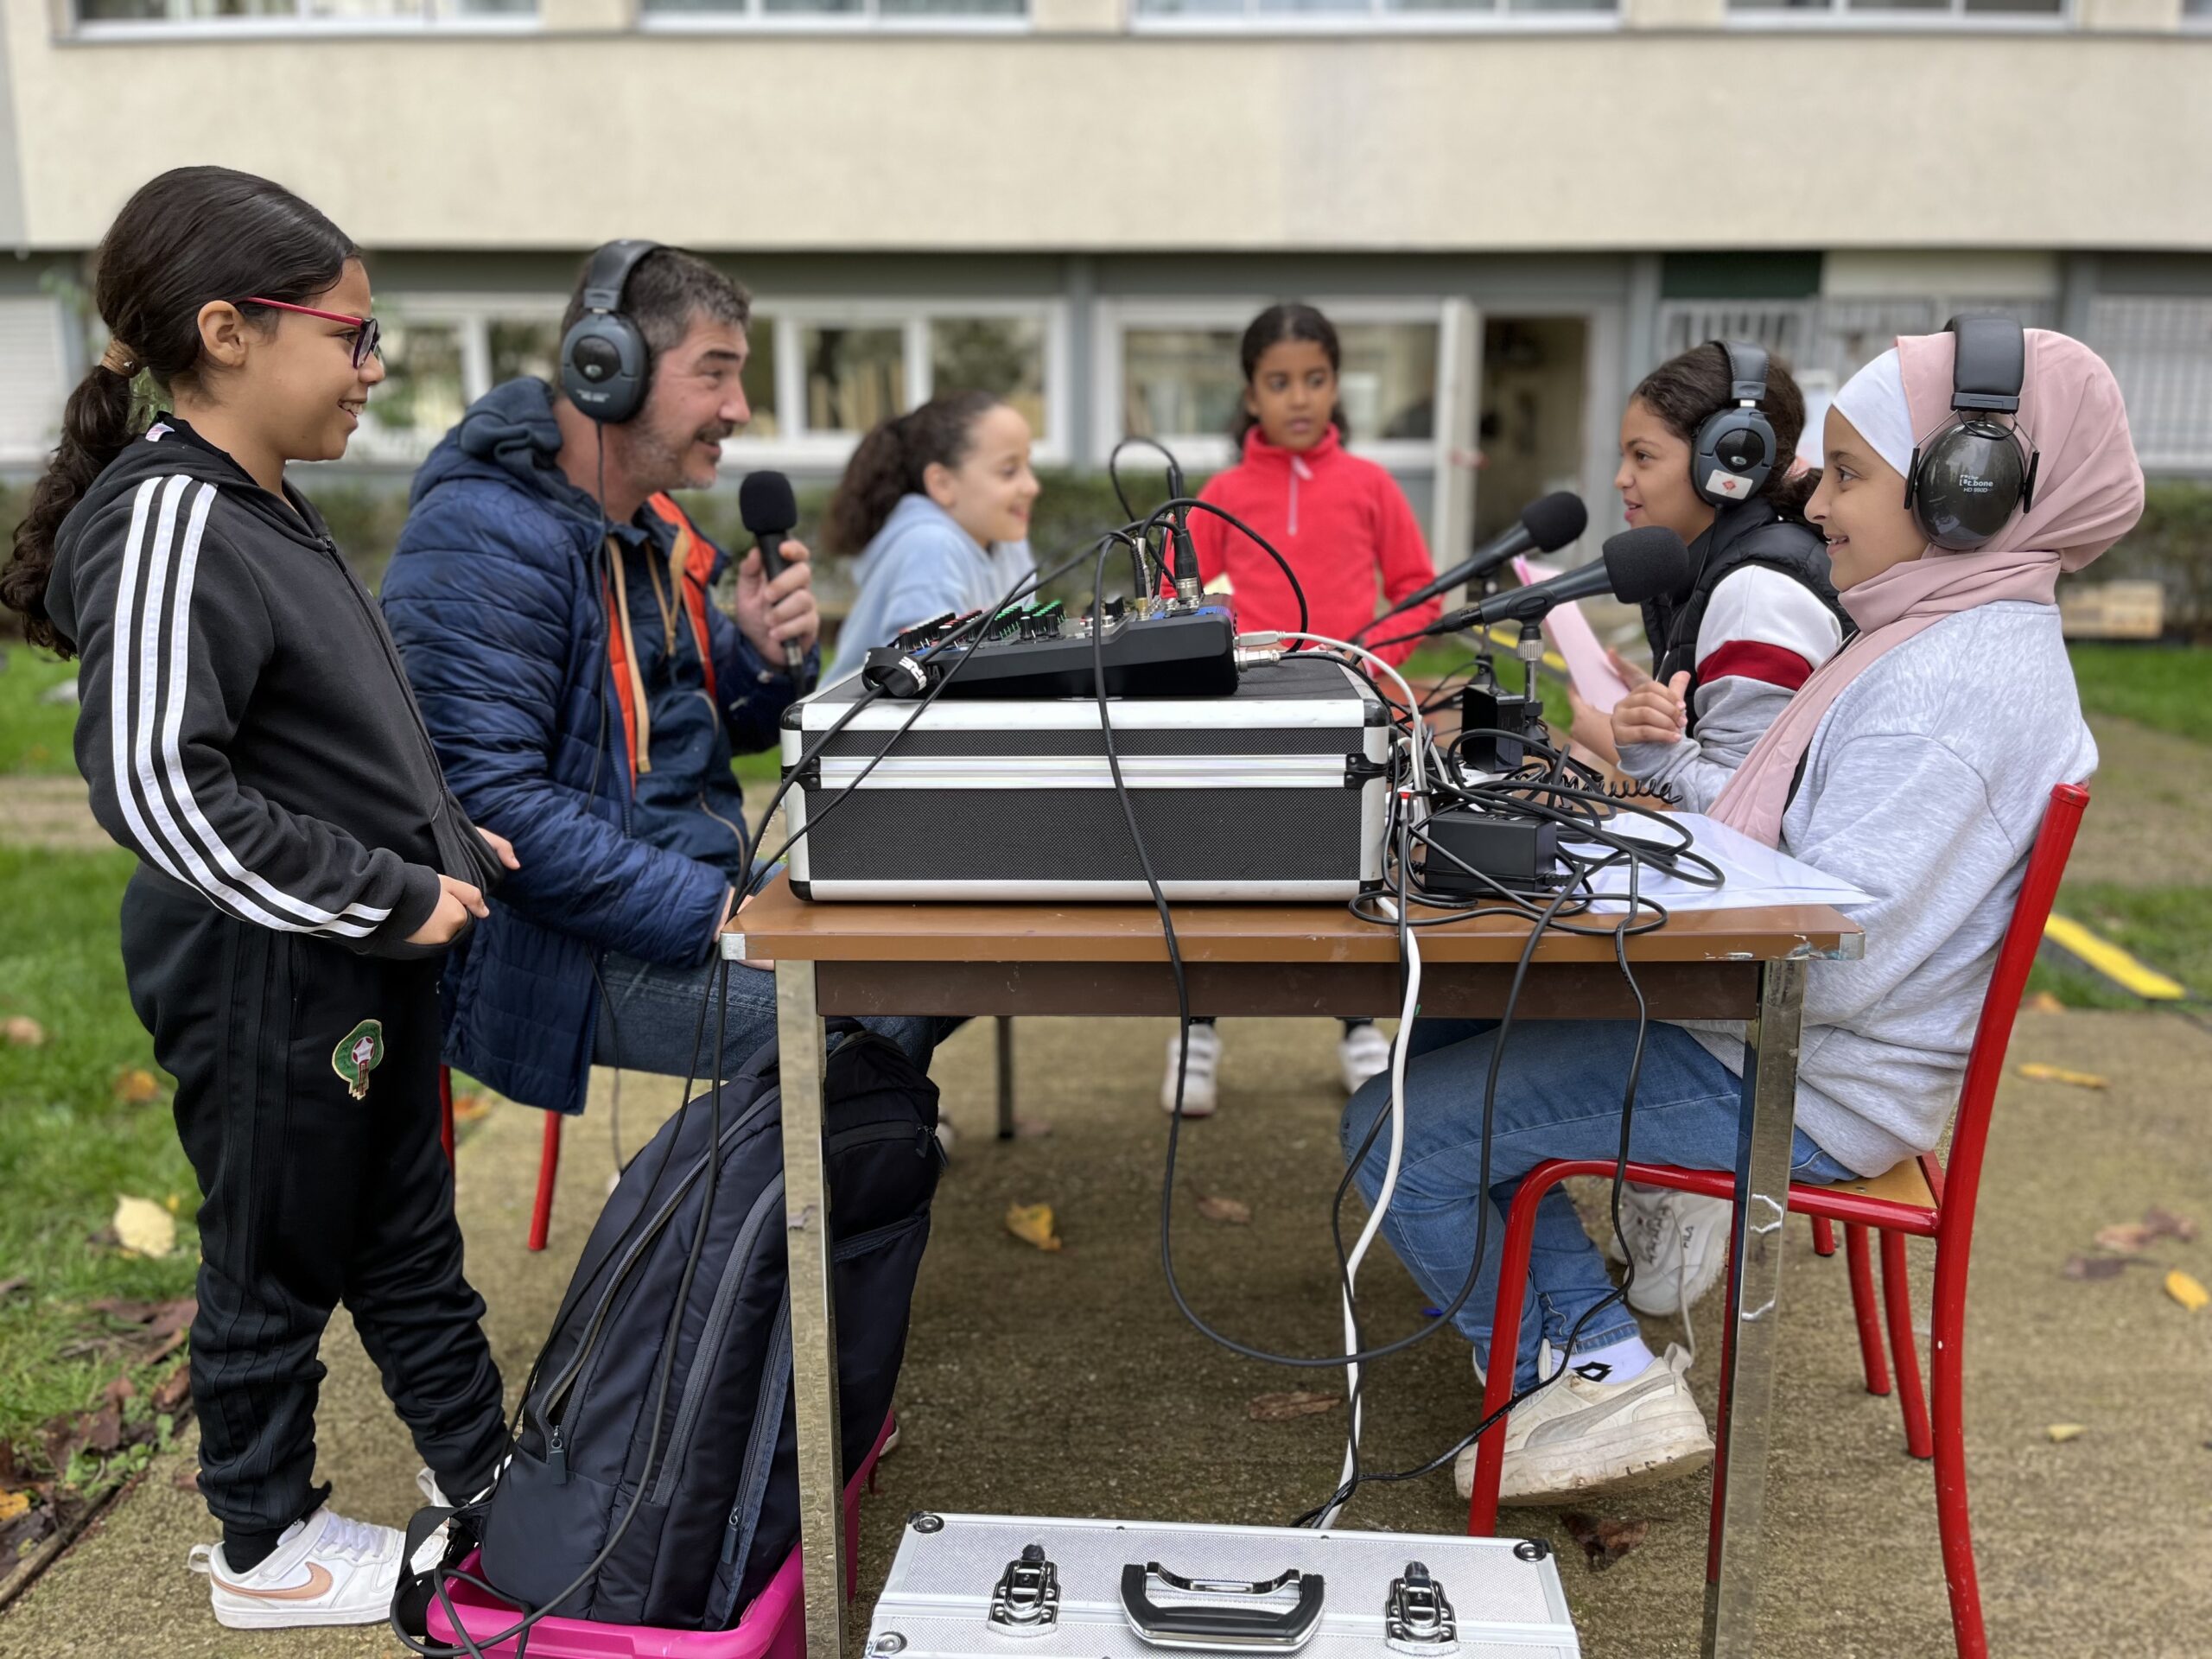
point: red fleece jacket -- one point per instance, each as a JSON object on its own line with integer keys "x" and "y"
{"x": 1341, "y": 522}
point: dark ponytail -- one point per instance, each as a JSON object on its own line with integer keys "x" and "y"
{"x": 194, "y": 235}
{"x": 890, "y": 461}
{"x": 1290, "y": 321}
{"x": 1684, "y": 390}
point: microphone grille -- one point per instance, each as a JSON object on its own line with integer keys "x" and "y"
{"x": 1557, "y": 519}
{"x": 1646, "y": 563}
{"x": 766, "y": 504}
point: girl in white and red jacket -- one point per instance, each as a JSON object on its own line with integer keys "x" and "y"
{"x": 1342, "y": 523}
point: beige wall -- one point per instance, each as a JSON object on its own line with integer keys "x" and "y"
{"x": 1474, "y": 143}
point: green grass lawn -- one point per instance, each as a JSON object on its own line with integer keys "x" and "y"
{"x": 2168, "y": 928}
{"x": 34, "y": 736}
{"x": 69, "y": 1146}
{"x": 2167, "y": 687}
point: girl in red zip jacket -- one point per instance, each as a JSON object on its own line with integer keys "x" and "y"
{"x": 1342, "y": 523}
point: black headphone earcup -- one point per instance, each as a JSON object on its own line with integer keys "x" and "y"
{"x": 1732, "y": 455}
{"x": 1968, "y": 482}
{"x": 603, "y": 367}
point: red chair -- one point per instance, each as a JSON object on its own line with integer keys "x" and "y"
{"x": 1923, "y": 1197}
{"x": 548, "y": 1158}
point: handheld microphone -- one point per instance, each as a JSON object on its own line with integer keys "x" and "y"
{"x": 769, "y": 509}
{"x": 1546, "y": 526}
{"x": 1638, "y": 564}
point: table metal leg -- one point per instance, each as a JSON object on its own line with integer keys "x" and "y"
{"x": 1005, "y": 1077}
{"x": 1763, "y": 1159}
{"x": 814, "y": 1323}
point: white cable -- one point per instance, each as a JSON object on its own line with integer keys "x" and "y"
{"x": 1382, "y": 1199}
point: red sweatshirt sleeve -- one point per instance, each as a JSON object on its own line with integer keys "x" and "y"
{"x": 1402, "y": 552}
{"x": 1210, "y": 534}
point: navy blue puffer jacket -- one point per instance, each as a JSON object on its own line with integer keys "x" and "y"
{"x": 495, "y": 596}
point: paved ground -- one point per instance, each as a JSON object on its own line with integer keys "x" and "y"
{"x": 1067, "y": 1384}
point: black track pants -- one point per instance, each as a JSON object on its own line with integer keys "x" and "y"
{"x": 310, "y": 1196}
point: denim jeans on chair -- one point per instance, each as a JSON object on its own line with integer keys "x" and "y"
{"x": 649, "y": 1019}
{"x": 1559, "y": 1095}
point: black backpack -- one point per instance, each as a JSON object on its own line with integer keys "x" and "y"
{"x": 718, "y": 1509}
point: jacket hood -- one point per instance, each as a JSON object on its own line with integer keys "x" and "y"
{"x": 510, "y": 435}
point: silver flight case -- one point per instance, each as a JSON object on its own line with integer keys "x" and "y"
{"x": 986, "y": 1587}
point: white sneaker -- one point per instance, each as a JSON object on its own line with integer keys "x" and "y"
{"x": 326, "y": 1570}
{"x": 1577, "y": 1436}
{"x": 1362, "y": 1053}
{"x": 1199, "y": 1092}
{"x": 1679, "y": 1242}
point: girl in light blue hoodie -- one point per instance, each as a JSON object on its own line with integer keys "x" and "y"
{"x": 937, "y": 504}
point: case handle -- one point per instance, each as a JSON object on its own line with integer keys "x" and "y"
{"x": 1261, "y": 1629}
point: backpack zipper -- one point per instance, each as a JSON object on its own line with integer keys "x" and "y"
{"x": 701, "y": 1374}
{"x": 865, "y": 1245}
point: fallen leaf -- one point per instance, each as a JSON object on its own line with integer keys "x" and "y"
{"x": 1282, "y": 1408}
{"x": 2043, "y": 1002}
{"x": 10, "y": 1286}
{"x": 1604, "y": 1539}
{"x": 13, "y": 1504}
{"x": 136, "y": 1086}
{"x": 2165, "y": 1223}
{"x": 2186, "y": 1291}
{"x": 2061, "y": 1433}
{"x": 144, "y": 1227}
{"x": 105, "y": 1433}
{"x": 172, "y": 1391}
{"x": 2094, "y": 1267}
{"x": 23, "y": 1032}
{"x": 466, "y": 1109}
{"x": 1031, "y": 1128}
{"x": 120, "y": 1389}
{"x": 174, "y": 1203}
{"x": 1214, "y": 1207}
{"x": 1032, "y": 1225}
{"x": 2043, "y": 1073}
{"x": 186, "y": 1479}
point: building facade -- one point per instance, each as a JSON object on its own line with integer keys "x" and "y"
{"x": 1511, "y": 208}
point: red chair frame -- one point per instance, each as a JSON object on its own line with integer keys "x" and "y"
{"x": 1942, "y": 1209}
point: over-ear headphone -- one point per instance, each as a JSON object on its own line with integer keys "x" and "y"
{"x": 604, "y": 359}
{"x": 1972, "y": 473}
{"x": 1733, "y": 454}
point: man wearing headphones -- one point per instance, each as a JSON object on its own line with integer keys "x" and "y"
{"x": 586, "y": 692}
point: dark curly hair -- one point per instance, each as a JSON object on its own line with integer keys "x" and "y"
{"x": 1684, "y": 390}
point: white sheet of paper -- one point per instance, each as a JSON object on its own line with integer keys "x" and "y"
{"x": 1752, "y": 874}
{"x": 1577, "y": 640}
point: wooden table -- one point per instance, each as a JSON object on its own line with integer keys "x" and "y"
{"x": 1281, "y": 960}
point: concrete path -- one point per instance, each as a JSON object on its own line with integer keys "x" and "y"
{"x": 1067, "y": 1384}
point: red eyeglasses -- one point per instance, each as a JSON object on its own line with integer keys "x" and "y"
{"x": 368, "y": 338}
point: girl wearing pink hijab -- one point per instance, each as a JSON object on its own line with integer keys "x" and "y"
{"x": 1915, "y": 764}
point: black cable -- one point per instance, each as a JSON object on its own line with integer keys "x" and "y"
{"x": 1304, "y": 622}
{"x": 1113, "y": 477}
{"x": 442, "y": 1577}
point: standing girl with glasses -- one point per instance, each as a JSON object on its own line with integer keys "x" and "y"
{"x": 247, "y": 731}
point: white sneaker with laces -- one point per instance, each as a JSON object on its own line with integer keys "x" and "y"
{"x": 1362, "y": 1053}
{"x": 1200, "y": 1094}
{"x": 1579, "y": 1436}
{"x": 1679, "y": 1242}
{"x": 325, "y": 1570}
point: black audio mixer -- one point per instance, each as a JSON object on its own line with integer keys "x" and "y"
{"x": 1038, "y": 650}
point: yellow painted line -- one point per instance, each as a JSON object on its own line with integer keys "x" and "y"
{"x": 2111, "y": 961}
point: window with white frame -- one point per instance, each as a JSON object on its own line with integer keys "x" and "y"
{"x": 825, "y": 372}
{"x": 1173, "y": 374}
{"x": 1895, "y": 11}
{"x": 707, "y": 14}
{"x": 1375, "y": 13}
{"x": 34, "y": 374}
{"x": 94, "y": 14}
{"x": 818, "y": 375}
{"x": 2159, "y": 348}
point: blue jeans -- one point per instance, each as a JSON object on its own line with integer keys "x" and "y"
{"x": 1559, "y": 1095}
{"x": 649, "y": 1019}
